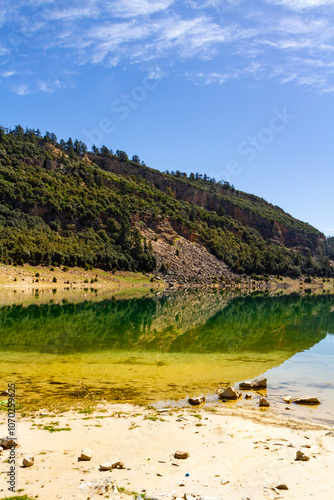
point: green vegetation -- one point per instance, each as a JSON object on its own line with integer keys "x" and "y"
{"x": 62, "y": 206}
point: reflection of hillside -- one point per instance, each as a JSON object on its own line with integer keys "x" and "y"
{"x": 193, "y": 322}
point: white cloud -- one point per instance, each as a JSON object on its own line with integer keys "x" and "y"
{"x": 302, "y": 4}
{"x": 21, "y": 89}
{"x": 245, "y": 42}
{"x": 133, "y": 8}
{"x": 7, "y": 74}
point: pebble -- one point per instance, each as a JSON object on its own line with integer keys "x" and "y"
{"x": 181, "y": 454}
{"x": 263, "y": 402}
{"x": 301, "y": 456}
{"x": 86, "y": 454}
{"x": 28, "y": 461}
{"x": 197, "y": 400}
{"x": 106, "y": 466}
{"x": 281, "y": 486}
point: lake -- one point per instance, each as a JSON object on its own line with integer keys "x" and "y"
{"x": 159, "y": 349}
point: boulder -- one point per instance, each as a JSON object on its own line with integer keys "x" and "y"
{"x": 264, "y": 403}
{"x": 6, "y": 443}
{"x": 301, "y": 456}
{"x": 257, "y": 383}
{"x": 307, "y": 400}
{"x": 229, "y": 393}
{"x": 182, "y": 455}
{"x": 86, "y": 454}
{"x": 28, "y": 461}
{"x": 197, "y": 400}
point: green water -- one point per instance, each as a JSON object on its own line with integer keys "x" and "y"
{"x": 165, "y": 347}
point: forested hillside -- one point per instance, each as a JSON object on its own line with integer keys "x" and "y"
{"x": 62, "y": 205}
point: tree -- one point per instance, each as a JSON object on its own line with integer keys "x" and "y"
{"x": 136, "y": 159}
{"x": 105, "y": 151}
{"x": 122, "y": 155}
{"x": 95, "y": 150}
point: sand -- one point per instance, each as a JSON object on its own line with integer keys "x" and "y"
{"x": 233, "y": 454}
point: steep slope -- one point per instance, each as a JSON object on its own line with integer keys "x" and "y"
{"x": 60, "y": 205}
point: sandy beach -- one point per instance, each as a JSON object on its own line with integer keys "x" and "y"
{"x": 233, "y": 454}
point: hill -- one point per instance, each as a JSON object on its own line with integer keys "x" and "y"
{"x": 62, "y": 205}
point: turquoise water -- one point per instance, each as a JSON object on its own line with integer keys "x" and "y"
{"x": 166, "y": 347}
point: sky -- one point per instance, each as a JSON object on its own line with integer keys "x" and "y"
{"x": 239, "y": 89}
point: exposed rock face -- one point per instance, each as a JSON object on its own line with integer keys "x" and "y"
{"x": 231, "y": 204}
{"x": 229, "y": 393}
{"x": 257, "y": 383}
{"x": 185, "y": 261}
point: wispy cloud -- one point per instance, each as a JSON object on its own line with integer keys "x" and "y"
{"x": 290, "y": 40}
{"x": 21, "y": 89}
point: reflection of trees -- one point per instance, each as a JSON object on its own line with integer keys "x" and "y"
{"x": 194, "y": 322}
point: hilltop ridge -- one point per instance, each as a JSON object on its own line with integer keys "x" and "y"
{"x": 63, "y": 205}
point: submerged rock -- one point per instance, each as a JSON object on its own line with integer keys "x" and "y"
{"x": 257, "y": 383}
{"x": 229, "y": 393}
{"x": 307, "y": 400}
{"x": 197, "y": 400}
{"x": 264, "y": 403}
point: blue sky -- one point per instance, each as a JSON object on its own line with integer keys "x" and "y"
{"x": 240, "y": 89}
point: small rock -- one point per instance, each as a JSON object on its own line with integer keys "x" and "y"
{"x": 330, "y": 433}
{"x": 181, "y": 454}
{"x": 287, "y": 400}
{"x": 106, "y": 466}
{"x": 197, "y": 400}
{"x": 301, "y": 456}
{"x": 6, "y": 443}
{"x": 264, "y": 403}
{"x": 307, "y": 400}
{"x": 182, "y": 483}
{"x": 282, "y": 486}
{"x": 229, "y": 393}
{"x": 248, "y": 396}
{"x": 118, "y": 465}
{"x": 287, "y": 408}
{"x": 4, "y": 393}
{"x": 86, "y": 454}
{"x": 257, "y": 383}
{"x": 1, "y": 449}
{"x": 28, "y": 461}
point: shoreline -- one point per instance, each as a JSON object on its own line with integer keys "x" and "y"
{"x": 233, "y": 454}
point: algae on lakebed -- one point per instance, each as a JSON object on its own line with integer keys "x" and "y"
{"x": 154, "y": 348}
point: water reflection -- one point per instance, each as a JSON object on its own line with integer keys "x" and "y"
{"x": 155, "y": 348}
